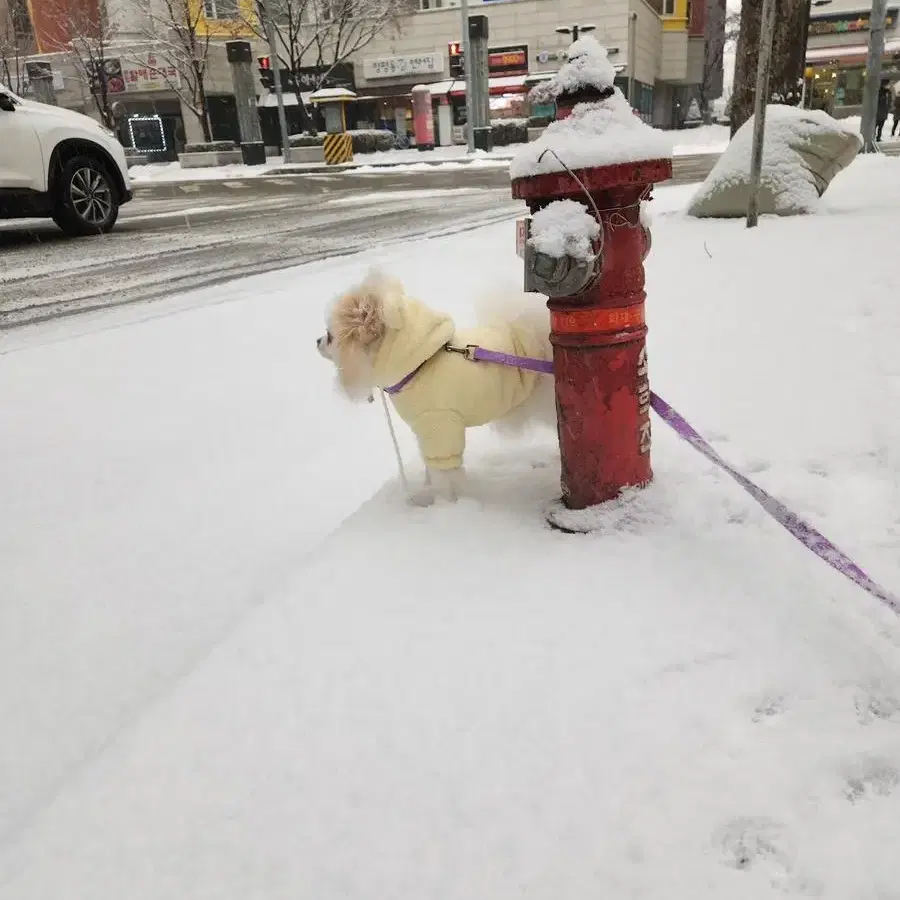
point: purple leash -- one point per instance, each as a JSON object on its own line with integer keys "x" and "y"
{"x": 802, "y": 531}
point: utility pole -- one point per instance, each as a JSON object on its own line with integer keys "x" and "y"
{"x": 467, "y": 65}
{"x": 632, "y": 55}
{"x": 276, "y": 80}
{"x": 766, "y": 33}
{"x": 873, "y": 74}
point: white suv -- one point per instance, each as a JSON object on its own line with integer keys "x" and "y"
{"x": 59, "y": 164}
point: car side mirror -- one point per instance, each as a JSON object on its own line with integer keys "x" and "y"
{"x": 7, "y": 104}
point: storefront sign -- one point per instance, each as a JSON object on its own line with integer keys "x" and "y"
{"x": 130, "y": 77}
{"x": 404, "y": 66}
{"x": 844, "y": 24}
{"x": 501, "y": 60}
{"x": 511, "y": 60}
{"x": 340, "y": 75}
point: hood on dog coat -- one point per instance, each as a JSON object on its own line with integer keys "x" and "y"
{"x": 450, "y": 393}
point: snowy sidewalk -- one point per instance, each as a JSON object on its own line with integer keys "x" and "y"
{"x": 205, "y": 700}
{"x": 708, "y": 139}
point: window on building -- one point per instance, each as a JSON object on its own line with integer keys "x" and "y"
{"x": 221, "y": 9}
{"x": 320, "y": 11}
{"x": 431, "y": 4}
{"x": 668, "y": 7}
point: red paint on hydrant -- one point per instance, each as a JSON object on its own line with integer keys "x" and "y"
{"x": 599, "y": 335}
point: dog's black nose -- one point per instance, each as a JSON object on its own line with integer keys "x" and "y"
{"x": 318, "y": 342}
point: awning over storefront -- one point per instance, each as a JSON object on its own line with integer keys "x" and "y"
{"x": 503, "y": 84}
{"x": 848, "y": 53}
{"x": 270, "y": 101}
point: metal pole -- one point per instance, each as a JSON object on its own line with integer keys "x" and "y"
{"x": 632, "y": 55}
{"x": 276, "y": 79}
{"x": 467, "y": 64}
{"x": 766, "y": 32}
{"x": 574, "y": 33}
{"x": 873, "y": 74}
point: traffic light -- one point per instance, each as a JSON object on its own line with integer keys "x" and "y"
{"x": 266, "y": 76}
{"x": 457, "y": 60}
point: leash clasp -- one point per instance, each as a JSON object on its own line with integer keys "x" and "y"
{"x": 468, "y": 351}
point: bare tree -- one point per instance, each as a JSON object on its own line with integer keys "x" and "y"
{"x": 711, "y": 85}
{"x": 321, "y": 34}
{"x": 89, "y": 50}
{"x": 324, "y": 33}
{"x": 341, "y": 27}
{"x": 177, "y": 32}
{"x": 13, "y": 50}
{"x": 786, "y": 72}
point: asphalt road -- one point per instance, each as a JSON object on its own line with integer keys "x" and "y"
{"x": 174, "y": 237}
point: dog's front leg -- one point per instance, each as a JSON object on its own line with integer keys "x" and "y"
{"x": 444, "y": 484}
{"x": 447, "y": 483}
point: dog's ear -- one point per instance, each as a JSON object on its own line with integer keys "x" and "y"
{"x": 357, "y": 319}
{"x": 391, "y": 294}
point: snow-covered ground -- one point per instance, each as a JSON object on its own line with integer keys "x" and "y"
{"x": 706, "y": 139}
{"x": 203, "y": 695}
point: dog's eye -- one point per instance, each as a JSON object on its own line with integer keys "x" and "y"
{"x": 327, "y": 337}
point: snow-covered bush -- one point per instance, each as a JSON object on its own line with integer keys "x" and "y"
{"x": 369, "y": 140}
{"x": 803, "y": 149}
{"x": 509, "y": 131}
{"x": 210, "y": 147}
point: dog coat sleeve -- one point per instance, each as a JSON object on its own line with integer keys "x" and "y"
{"x": 442, "y": 438}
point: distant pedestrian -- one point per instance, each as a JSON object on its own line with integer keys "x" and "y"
{"x": 884, "y": 105}
{"x": 896, "y": 112}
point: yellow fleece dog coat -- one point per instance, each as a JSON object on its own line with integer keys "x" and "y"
{"x": 450, "y": 393}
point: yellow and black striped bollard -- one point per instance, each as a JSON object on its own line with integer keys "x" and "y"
{"x": 338, "y": 149}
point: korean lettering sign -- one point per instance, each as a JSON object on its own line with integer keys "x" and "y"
{"x": 401, "y": 66}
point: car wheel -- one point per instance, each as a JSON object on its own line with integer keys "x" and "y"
{"x": 86, "y": 200}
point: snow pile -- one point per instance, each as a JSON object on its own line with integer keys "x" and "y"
{"x": 587, "y": 67}
{"x": 803, "y": 150}
{"x": 564, "y": 228}
{"x": 595, "y": 134}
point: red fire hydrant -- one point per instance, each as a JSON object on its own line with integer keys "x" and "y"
{"x": 596, "y": 298}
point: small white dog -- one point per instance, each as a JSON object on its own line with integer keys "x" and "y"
{"x": 378, "y": 337}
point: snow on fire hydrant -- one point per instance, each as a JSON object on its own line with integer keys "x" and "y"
{"x": 585, "y": 180}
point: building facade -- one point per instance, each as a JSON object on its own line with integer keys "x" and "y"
{"x": 837, "y": 47}
{"x": 659, "y": 48}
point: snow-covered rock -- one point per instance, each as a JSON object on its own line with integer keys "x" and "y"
{"x": 595, "y": 134}
{"x": 803, "y": 150}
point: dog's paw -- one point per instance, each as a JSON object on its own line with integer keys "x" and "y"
{"x": 422, "y": 498}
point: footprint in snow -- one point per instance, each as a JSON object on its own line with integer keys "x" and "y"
{"x": 757, "y": 466}
{"x": 871, "y": 705}
{"x": 756, "y": 842}
{"x": 871, "y": 777}
{"x": 769, "y": 708}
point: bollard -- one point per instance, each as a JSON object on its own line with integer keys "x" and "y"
{"x": 588, "y": 256}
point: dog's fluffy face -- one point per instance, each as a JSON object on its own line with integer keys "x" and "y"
{"x": 357, "y": 322}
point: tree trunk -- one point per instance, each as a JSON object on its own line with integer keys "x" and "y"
{"x": 202, "y": 102}
{"x": 788, "y": 54}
